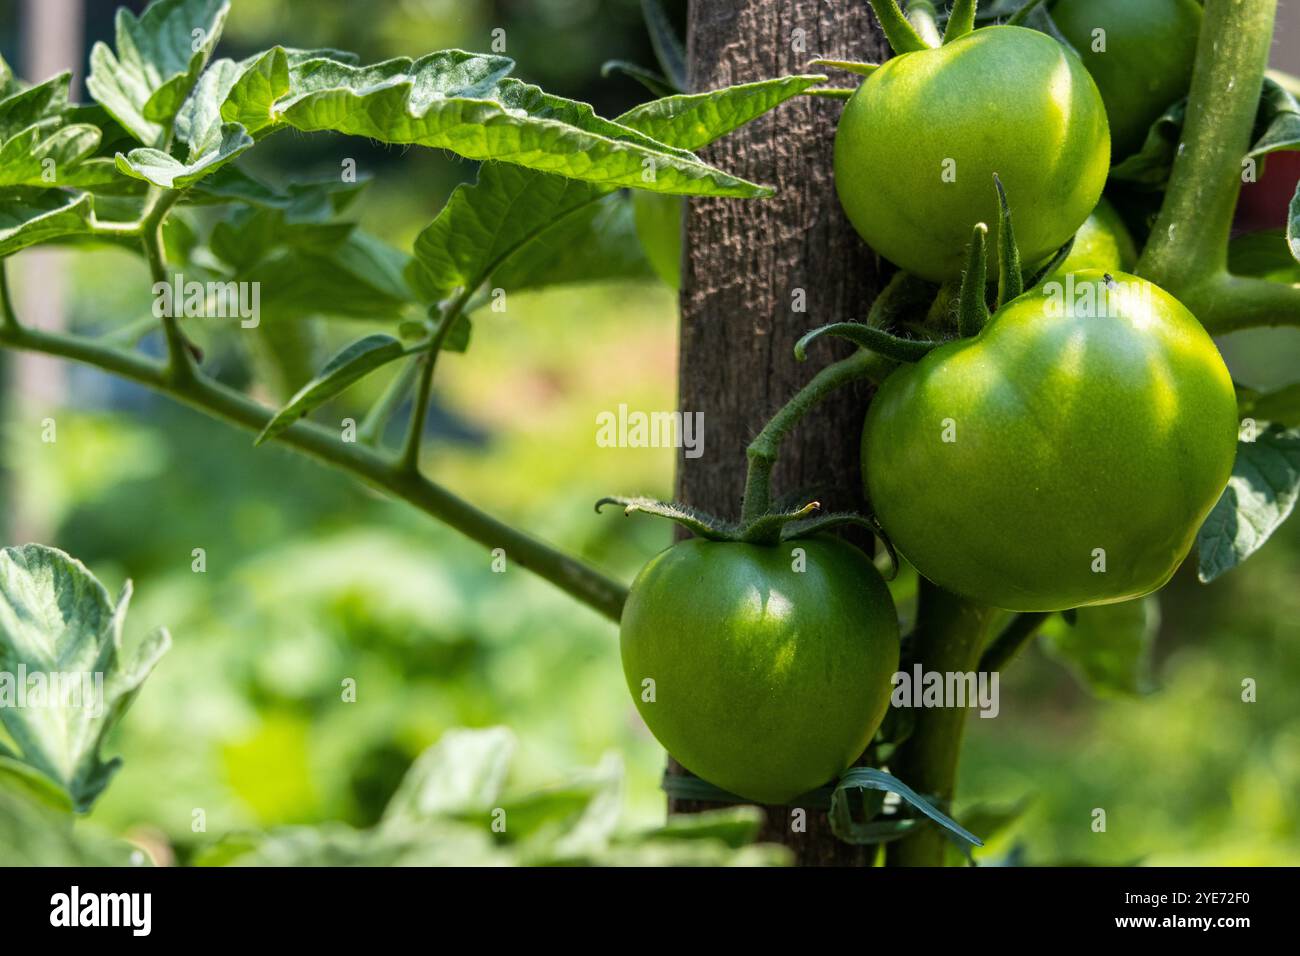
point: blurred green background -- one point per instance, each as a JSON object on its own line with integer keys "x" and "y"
{"x": 311, "y": 578}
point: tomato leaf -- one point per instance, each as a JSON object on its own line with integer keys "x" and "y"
{"x": 158, "y": 60}
{"x": 159, "y": 168}
{"x": 665, "y": 42}
{"x": 867, "y": 778}
{"x": 1108, "y": 647}
{"x": 29, "y": 216}
{"x": 345, "y": 368}
{"x": 1261, "y": 494}
{"x": 61, "y": 636}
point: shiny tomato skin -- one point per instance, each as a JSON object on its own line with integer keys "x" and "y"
{"x": 767, "y": 680}
{"x": 1055, "y": 460}
{"x": 919, "y": 141}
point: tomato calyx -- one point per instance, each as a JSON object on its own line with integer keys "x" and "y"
{"x": 769, "y": 528}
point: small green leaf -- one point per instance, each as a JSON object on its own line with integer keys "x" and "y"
{"x": 160, "y": 169}
{"x": 28, "y": 158}
{"x": 28, "y": 216}
{"x": 1010, "y": 282}
{"x": 900, "y": 33}
{"x": 59, "y": 628}
{"x": 961, "y": 20}
{"x": 158, "y": 60}
{"x": 252, "y": 97}
{"x": 695, "y": 120}
{"x": 665, "y": 42}
{"x": 652, "y": 81}
{"x": 867, "y": 778}
{"x": 850, "y": 66}
{"x": 1281, "y": 407}
{"x": 21, "y": 108}
{"x": 348, "y": 366}
{"x": 973, "y": 310}
{"x": 1109, "y": 646}
{"x": 1261, "y": 494}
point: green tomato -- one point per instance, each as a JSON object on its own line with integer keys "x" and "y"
{"x": 919, "y": 141}
{"x": 1064, "y": 456}
{"x": 659, "y": 227}
{"x": 771, "y": 670}
{"x": 1141, "y": 58}
{"x": 1102, "y": 242}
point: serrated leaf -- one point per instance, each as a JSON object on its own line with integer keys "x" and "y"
{"x": 160, "y": 169}
{"x": 251, "y": 99}
{"x": 22, "y": 108}
{"x": 1261, "y": 494}
{"x": 157, "y": 62}
{"x": 1108, "y": 647}
{"x": 461, "y": 102}
{"x": 462, "y": 772}
{"x": 523, "y": 228}
{"x": 695, "y": 120}
{"x": 347, "y": 367}
{"x": 56, "y": 619}
{"x": 28, "y": 158}
{"x": 29, "y": 216}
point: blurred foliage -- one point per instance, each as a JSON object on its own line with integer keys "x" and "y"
{"x": 312, "y": 580}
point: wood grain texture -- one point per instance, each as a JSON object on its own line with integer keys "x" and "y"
{"x": 746, "y": 265}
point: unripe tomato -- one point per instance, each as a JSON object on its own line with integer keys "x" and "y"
{"x": 919, "y": 141}
{"x": 659, "y": 227}
{"x": 1102, "y": 242}
{"x": 1056, "y": 460}
{"x": 763, "y": 672}
{"x": 1141, "y": 58}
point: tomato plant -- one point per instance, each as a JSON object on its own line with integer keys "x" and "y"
{"x": 763, "y": 669}
{"x": 1047, "y": 438}
{"x": 1140, "y": 52}
{"x": 919, "y": 140}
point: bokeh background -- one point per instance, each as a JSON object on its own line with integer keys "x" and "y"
{"x": 310, "y": 576}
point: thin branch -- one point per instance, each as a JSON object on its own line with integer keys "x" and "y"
{"x": 572, "y": 576}
{"x": 1014, "y": 636}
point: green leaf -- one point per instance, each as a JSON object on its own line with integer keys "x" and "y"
{"x": 1108, "y": 647}
{"x": 734, "y": 826}
{"x": 158, "y": 60}
{"x": 902, "y": 36}
{"x": 1281, "y": 407}
{"x": 1277, "y": 123}
{"x": 652, "y": 81}
{"x": 462, "y": 772}
{"x": 30, "y": 157}
{"x": 348, "y": 366}
{"x": 1261, "y": 494}
{"x": 360, "y": 277}
{"x": 483, "y": 225}
{"x": 160, "y": 169}
{"x": 56, "y": 620}
{"x": 252, "y": 97}
{"x": 665, "y": 42}
{"x": 1263, "y": 255}
{"x": 462, "y": 102}
{"x": 33, "y": 832}
{"x": 695, "y": 120}
{"x": 21, "y": 108}
{"x": 29, "y": 216}
{"x": 867, "y": 778}
{"x": 523, "y": 229}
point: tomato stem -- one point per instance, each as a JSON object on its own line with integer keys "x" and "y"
{"x": 950, "y": 633}
{"x": 762, "y": 451}
{"x": 1187, "y": 251}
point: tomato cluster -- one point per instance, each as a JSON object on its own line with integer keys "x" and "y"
{"x": 1062, "y": 455}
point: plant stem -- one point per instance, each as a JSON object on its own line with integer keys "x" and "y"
{"x": 572, "y": 576}
{"x": 410, "y": 459}
{"x": 371, "y": 431}
{"x": 157, "y": 205}
{"x": 10, "y": 317}
{"x": 763, "y": 450}
{"x": 1187, "y": 253}
{"x": 1013, "y": 637}
{"x": 950, "y": 631}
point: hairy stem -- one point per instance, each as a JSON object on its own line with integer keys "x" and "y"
{"x": 950, "y": 631}
{"x": 1187, "y": 253}
{"x": 572, "y": 576}
{"x": 763, "y": 450}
